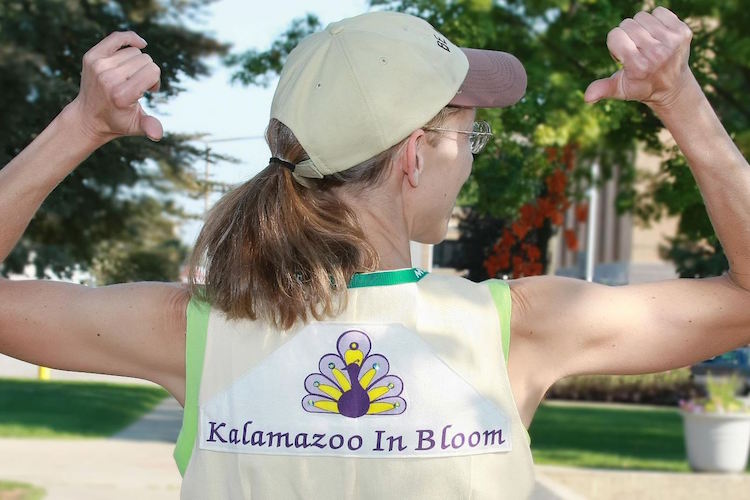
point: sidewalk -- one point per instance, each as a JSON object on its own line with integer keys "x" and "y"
{"x": 136, "y": 463}
{"x": 645, "y": 485}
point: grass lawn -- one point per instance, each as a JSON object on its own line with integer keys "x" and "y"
{"x": 54, "y": 409}
{"x": 602, "y": 436}
{"x": 20, "y": 491}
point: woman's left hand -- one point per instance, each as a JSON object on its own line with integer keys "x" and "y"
{"x": 654, "y": 50}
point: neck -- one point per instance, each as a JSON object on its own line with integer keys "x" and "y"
{"x": 383, "y": 224}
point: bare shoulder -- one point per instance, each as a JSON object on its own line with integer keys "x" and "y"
{"x": 529, "y": 370}
{"x": 130, "y": 329}
{"x": 568, "y": 327}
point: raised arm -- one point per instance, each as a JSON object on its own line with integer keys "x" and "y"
{"x": 564, "y": 327}
{"x": 112, "y": 80}
{"x": 135, "y": 330}
{"x": 654, "y": 50}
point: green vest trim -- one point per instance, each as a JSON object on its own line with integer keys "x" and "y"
{"x": 195, "y": 347}
{"x": 500, "y": 291}
{"x": 381, "y": 278}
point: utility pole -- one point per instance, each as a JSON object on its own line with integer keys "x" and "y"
{"x": 592, "y": 222}
{"x": 207, "y": 190}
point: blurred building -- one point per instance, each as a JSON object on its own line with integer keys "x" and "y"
{"x": 626, "y": 250}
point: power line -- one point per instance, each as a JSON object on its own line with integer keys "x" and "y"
{"x": 207, "y": 191}
{"x": 231, "y": 139}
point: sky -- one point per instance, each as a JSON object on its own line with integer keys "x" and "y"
{"x": 223, "y": 110}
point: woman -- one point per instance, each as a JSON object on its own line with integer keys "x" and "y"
{"x": 315, "y": 362}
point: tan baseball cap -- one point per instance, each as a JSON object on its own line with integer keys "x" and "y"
{"x": 365, "y": 83}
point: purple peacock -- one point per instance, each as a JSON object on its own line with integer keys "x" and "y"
{"x": 354, "y": 382}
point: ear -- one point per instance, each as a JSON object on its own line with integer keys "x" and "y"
{"x": 413, "y": 163}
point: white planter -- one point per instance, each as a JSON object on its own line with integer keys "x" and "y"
{"x": 717, "y": 442}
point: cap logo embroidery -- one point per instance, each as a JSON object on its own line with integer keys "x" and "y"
{"x": 353, "y": 382}
{"x": 442, "y": 43}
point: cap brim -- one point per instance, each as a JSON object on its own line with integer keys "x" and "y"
{"x": 495, "y": 80}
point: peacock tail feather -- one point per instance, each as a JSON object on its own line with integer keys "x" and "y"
{"x": 352, "y": 382}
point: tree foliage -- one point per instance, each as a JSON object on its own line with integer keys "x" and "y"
{"x": 721, "y": 61}
{"x": 102, "y": 204}
{"x": 562, "y": 44}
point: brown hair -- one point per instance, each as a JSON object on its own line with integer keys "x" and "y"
{"x": 279, "y": 251}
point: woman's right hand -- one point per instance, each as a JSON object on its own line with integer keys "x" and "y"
{"x": 115, "y": 75}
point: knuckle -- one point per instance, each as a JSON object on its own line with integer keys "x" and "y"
{"x": 131, "y": 51}
{"x": 639, "y": 65}
{"x": 660, "y": 53}
{"x": 638, "y": 73}
{"x": 643, "y": 64}
{"x": 98, "y": 66}
{"x": 612, "y": 35}
{"x": 686, "y": 31}
{"x": 120, "y": 98}
{"x": 147, "y": 58}
{"x": 672, "y": 39}
{"x": 104, "y": 78}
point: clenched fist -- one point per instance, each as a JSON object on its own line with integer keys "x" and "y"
{"x": 115, "y": 75}
{"x": 654, "y": 50}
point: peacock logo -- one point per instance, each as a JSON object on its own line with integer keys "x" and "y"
{"x": 354, "y": 382}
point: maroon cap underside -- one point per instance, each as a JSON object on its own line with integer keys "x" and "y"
{"x": 495, "y": 80}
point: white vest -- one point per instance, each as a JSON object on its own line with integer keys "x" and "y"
{"x": 405, "y": 394}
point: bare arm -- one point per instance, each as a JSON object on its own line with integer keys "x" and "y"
{"x": 654, "y": 50}
{"x": 29, "y": 178}
{"x": 136, "y": 329}
{"x": 564, "y": 327}
{"x": 112, "y": 81}
{"x": 133, "y": 330}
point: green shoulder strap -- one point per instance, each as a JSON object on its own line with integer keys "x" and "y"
{"x": 500, "y": 291}
{"x": 195, "y": 346}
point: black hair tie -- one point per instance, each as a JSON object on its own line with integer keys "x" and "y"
{"x": 283, "y": 163}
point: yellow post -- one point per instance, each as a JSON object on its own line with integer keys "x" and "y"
{"x": 43, "y": 373}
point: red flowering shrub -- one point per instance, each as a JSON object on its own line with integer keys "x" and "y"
{"x": 516, "y": 253}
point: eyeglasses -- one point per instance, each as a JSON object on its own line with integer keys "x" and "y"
{"x": 478, "y": 137}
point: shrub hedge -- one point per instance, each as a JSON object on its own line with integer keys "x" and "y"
{"x": 665, "y": 388}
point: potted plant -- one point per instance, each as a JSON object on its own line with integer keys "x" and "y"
{"x": 717, "y": 427}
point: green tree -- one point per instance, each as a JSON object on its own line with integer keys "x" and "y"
{"x": 149, "y": 250}
{"x": 721, "y": 62}
{"x": 119, "y": 197}
{"x": 562, "y": 44}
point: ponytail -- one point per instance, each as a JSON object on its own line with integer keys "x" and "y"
{"x": 276, "y": 250}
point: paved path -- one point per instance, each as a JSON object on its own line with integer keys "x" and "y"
{"x": 617, "y": 484}
{"x": 86, "y": 469}
{"x": 162, "y": 424}
{"x": 135, "y": 463}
